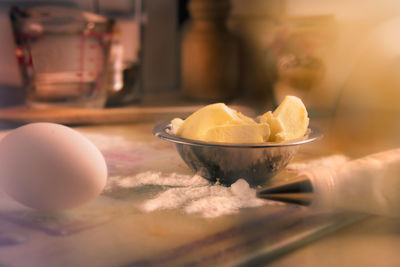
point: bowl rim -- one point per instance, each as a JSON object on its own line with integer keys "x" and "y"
{"x": 161, "y": 131}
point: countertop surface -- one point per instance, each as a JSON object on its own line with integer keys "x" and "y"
{"x": 115, "y": 230}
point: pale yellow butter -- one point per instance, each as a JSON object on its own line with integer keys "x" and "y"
{"x": 288, "y": 121}
{"x": 176, "y": 125}
{"x": 219, "y": 123}
{"x": 251, "y": 133}
{"x": 274, "y": 123}
{"x": 197, "y": 125}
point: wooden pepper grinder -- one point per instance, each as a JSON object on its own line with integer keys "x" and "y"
{"x": 209, "y": 53}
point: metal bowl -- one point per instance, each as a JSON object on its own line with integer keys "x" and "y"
{"x": 226, "y": 163}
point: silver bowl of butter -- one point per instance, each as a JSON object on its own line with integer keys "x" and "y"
{"x": 223, "y": 145}
{"x": 226, "y": 163}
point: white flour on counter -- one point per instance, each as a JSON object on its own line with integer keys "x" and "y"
{"x": 157, "y": 178}
{"x": 209, "y": 201}
{"x": 193, "y": 194}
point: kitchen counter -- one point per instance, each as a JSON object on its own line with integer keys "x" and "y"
{"x": 113, "y": 230}
{"x": 370, "y": 242}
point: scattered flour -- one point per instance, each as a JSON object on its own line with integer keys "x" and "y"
{"x": 227, "y": 201}
{"x": 207, "y": 200}
{"x": 193, "y": 194}
{"x": 156, "y": 178}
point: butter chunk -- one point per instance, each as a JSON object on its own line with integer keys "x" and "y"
{"x": 245, "y": 119}
{"x": 276, "y": 126}
{"x": 176, "y": 125}
{"x": 288, "y": 121}
{"x": 219, "y": 123}
{"x": 251, "y": 133}
{"x": 197, "y": 125}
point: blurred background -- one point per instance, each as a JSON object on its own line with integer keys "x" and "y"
{"x": 341, "y": 57}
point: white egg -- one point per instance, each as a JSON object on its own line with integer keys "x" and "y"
{"x": 49, "y": 166}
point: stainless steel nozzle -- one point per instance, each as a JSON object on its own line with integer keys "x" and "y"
{"x": 298, "y": 190}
